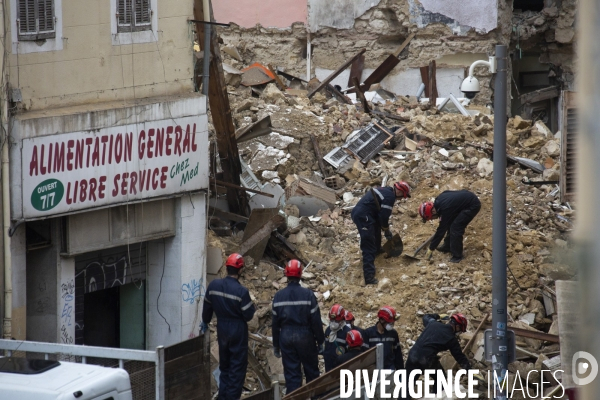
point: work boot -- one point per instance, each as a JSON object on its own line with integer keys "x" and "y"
{"x": 455, "y": 259}
{"x": 445, "y": 248}
{"x": 371, "y": 281}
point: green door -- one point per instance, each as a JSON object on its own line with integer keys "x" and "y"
{"x": 133, "y": 316}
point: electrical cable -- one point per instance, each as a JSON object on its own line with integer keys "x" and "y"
{"x": 160, "y": 285}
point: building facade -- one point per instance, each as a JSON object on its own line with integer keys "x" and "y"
{"x": 108, "y": 162}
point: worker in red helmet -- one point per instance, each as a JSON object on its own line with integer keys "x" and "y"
{"x": 383, "y": 332}
{"x": 351, "y": 322}
{"x": 230, "y": 301}
{"x": 455, "y": 209}
{"x": 371, "y": 216}
{"x": 335, "y": 336}
{"x": 437, "y": 337}
{"x": 354, "y": 339}
{"x": 297, "y": 329}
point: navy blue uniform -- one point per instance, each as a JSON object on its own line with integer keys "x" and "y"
{"x": 349, "y": 355}
{"x": 456, "y": 210}
{"x": 370, "y": 219}
{"x": 230, "y": 301}
{"x": 336, "y": 348}
{"x": 297, "y": 331}
{"x": 391, "y": 346}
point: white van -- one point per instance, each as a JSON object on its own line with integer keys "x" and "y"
{"x": 25, "y": 379}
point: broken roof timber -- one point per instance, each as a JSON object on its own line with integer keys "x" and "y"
{"x": 539, "y": 95}
{"x": 335, "y": 73}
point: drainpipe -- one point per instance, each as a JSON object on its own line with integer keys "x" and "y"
{"x": 6, "y": 237}
{"x": 206, "y": 56}
{"x": 308, "y": 56}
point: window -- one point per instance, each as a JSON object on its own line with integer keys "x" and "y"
{"x": 35, "y": 19}
{"x": 134, "y": 15}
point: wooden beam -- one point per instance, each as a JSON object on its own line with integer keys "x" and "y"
{"x": 361, "y": 96}
{"x": 357, "y": 69}
{"x": 539, "y": 95}
{"x": 432, "y": 83}
{"x": 226, "y": 215}
{"x": 221, "y": 116}
{"x": 336, "y": 93}
{"x": 527, "y": 333}
{"x": 335, "y": 73}
{"x": 470, "y": 342}
{"x": 238, "y": 188}
{"x": 261, "y": 234}
{"x": 315, "y": 143}
{"x": 425, "y": 79}
{"x": 404, "y": 44}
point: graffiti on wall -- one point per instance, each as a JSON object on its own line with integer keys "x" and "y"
{"x": 67, "y": 317}
{"x": 192, "y": 290}
{"x": 98, "y": 275}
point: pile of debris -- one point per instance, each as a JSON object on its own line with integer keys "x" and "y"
{"x": 320, "y": 155}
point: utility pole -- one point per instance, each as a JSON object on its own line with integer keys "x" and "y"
{"x": 499, "y": 265}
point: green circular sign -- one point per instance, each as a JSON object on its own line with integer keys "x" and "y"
{"x": 47, "y": 195}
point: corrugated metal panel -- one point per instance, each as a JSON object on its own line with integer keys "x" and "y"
{"x": 568, "y": 147}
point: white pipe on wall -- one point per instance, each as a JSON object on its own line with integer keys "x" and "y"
{"x": 7, "y": 330}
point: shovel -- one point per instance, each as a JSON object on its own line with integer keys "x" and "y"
{"x": 425, "y": 243}
{"x": 393, "y": 247}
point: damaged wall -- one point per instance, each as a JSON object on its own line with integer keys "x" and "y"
{"x": 461, "y": 15}
{"x": 339, "y": 14}
{"x": 267, "y": 13}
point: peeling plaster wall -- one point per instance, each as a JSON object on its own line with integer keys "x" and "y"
{"x": 267, "y": 13}
{"x": 339, "y": 14}
{"x": 461, "y": 15}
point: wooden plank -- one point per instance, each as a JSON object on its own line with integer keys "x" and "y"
{"x": 425, "y": 79}
{"x": 527, "y": 333}
{"x": 226, "y": 215}
{"x": 238, "y": 187}
{"x": 335, "y": 73}
{"x": 404, "y": 44}
{"x": 380, "y": 72}
{"x": 315, "y": 143}
{"x": 258, "y": 219}
{"x": 261, "y": 234}
{"x": 221, "y": 116}
{"x": 357, "y": 69}
{"x": 433, "y": 82}
{"x": 336, "y": 93}
{"x": 541, "y": 94}
{"x": 361, "y": 96}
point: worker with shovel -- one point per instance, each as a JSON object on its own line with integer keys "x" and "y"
{"x": 371, "y": 215}
{"x": 456, "y": 209}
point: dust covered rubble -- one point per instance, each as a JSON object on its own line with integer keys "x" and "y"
{"x": 454, "y": 155}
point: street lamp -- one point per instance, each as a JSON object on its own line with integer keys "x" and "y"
{"x": 470, "y": 87}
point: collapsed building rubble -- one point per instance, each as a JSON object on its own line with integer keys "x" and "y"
{"x": 448, "y": 151}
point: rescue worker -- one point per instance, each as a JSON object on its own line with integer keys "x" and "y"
{"x": 350, "y": 322}
{"x": 297, "y": 329}
{"x": 437, "y": 337}
{"x": 456, "y": 209}
{"x": 230, "y": 301}
{"x": 371, "y": 215}
{"x": 354, "y": 339}
{"x": 383, "y": 332}
{"x": 335, "y": 336}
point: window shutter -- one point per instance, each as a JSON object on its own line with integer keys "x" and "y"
{"x": 142, "y": 12}
{"x": 27, "y": 17}
{"x": 124, "y": 10}
{"x": 569, "y": 138}
{"x": 46, "y": 15}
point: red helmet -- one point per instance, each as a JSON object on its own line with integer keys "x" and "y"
{"x": 235, "y": 260}
{"x": 293, "y": 269}
{"x": 388, "y": 314}
{"x": 354, "y": 338}
{"x": 460, "y": 320}
{"x": 349, "y": 317}
{"x": 425, "y": 210}
{"x": 403, "y": 188}
{"x": 337, "y": 313}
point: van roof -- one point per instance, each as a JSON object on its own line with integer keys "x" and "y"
{"x": 66, "y": 377}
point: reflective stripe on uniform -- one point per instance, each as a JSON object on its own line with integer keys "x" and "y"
{"x": 291, "y": 303}
{"x": 226, "y": 295}
{"x": 247, "y": 306}
{"x": 378, "y": 194}
{"x": 340, "y": 340}
{"x": 314, "y": 310}
{"x": 388, "y": 207}
{"x": 389, "y": 339}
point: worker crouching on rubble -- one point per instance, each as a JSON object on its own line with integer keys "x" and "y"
{"x": 335, "y": 337}
{"x": 437, "y": 337}
{"x": 297, "y": 329}
{"x": 354, "y": 339}
{"x": 456, "y": 209}
{"x": 230, "y": 301}
{"x": 371, "y": 215}
{"x": 383, "y": 332}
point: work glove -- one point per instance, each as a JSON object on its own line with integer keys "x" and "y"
{"x": 388, "y": 234}
{"x": 203, "y": 327}
{"x": 322, "y": 348}
{"x": 277, "y": 352}
{"x": 429, "y": 254}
